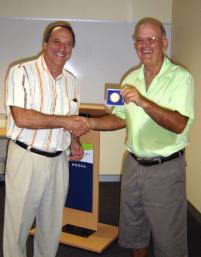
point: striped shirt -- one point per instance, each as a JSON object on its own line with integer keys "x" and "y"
{"x": 30, "y": 85}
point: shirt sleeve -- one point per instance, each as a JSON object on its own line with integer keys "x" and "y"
{"x": 119, "y": 111}
{"x": 182, "y": 99}
{"x": 16, "y": 91}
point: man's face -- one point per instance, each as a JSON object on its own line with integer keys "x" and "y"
{"x": 150, "y": 44}
{"x": 59, "y": 47}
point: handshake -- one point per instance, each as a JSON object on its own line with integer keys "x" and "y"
{"x": 78, "y": 125}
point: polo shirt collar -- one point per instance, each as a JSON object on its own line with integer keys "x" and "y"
{"x": 43, "y": 65}
{"x": 164, "y": 68}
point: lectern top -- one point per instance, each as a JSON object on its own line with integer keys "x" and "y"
{"x": 93, "y": 110}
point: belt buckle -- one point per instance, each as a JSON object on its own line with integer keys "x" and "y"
{"x": 155, "y": 160}
{"x": 139, "y": 159}
{"x": 160, "y": 160}
{"x": 29, "y": 148}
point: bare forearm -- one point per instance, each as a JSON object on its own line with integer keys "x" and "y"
{"x": 106, "y": 123}
{"x": 166, "y": 118}
{"x": 31, "y": 119}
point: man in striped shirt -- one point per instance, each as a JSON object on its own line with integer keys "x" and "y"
{"x": 42, "y": 101}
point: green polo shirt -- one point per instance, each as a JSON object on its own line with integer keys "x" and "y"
{"x": 172, "y": 88}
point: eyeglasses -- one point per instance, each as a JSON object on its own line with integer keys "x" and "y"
{"x": 146, "y": 40}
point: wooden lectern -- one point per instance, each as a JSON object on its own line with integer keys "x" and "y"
{"x": 2, "y": 125}
{"x": 103, "y": 234}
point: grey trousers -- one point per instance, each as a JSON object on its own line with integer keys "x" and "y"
{"x": 153, "y": 200}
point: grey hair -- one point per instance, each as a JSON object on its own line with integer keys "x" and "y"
{"x": 150, "y": 20}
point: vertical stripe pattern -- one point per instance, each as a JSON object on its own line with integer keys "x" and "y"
{"x": 30, "y": 85}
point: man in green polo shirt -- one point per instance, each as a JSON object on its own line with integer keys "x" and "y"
{"x": 158, "y": 111}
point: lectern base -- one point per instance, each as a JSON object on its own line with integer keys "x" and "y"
{"x": 96, "y": 242}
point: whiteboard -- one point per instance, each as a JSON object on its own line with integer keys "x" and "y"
{"x": 103, "y": 52}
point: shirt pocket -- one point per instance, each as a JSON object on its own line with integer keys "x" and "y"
{"x": 73, "y": 107}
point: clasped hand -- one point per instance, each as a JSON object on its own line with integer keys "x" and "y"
{"x": 76, "y": 126}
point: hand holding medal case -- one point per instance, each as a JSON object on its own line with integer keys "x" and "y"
{"x": 114, "y": 97}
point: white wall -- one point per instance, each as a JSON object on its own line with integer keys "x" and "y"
{"x": 160, "y": 9}
{"x": 186, "y": 45}
{"x": 118, "y": 10}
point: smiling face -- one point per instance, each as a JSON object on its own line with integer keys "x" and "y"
{"x": 150, "y": 44}
{"x": 57, "y": 50}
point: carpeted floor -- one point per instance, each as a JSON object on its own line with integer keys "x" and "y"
{"x": 109, "y": 214}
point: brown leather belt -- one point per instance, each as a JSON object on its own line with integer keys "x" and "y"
{"x": 158, "y": 159}
{"x": 34, "y": 150}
